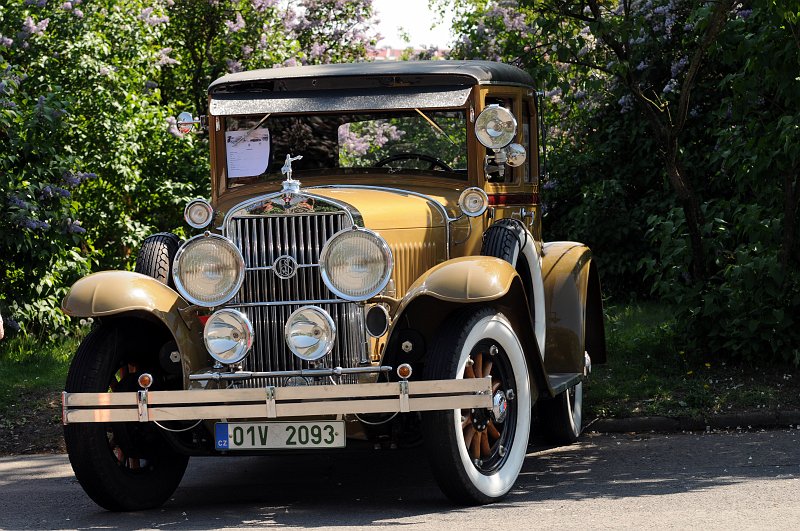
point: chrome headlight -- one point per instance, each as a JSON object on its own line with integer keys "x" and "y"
{"x": 310, "y": 333}
{"x": 208, "y": 270}
{"x": 356, "y": 264}
{"x": 228, "y": 336}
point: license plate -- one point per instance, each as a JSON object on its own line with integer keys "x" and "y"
{"x": 279, "y": 435}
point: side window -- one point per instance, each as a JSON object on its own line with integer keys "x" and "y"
{"x": 527, "y": 118}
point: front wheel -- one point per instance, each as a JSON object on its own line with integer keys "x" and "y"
{"x": 122, "y": 466}
{"x": 476, "y": 455}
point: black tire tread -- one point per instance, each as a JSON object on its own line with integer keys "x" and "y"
{"x": 88, "y": 452}
{"x": 156, "y": 255}
{"x": 441, "y": 445}
{"x": 500, "y": 240}
{"x": 553, "y": 416}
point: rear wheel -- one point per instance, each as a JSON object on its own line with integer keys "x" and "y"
{"x": 476, "y": 455}
{"x": 122, "y": 466}
{"x": 156, "y": 255}
{"x": 561, "y": 417}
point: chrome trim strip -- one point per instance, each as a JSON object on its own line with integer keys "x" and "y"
{"x": 268, "y": 268}
{"x": 287, "y": 303}
{"x": 244, "y": 375}
{"x": 352, "y": 212}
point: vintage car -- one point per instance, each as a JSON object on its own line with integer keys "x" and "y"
{"x": 370, "y": 267}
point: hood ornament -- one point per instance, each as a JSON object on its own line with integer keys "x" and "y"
{"x": 290, "y": 185}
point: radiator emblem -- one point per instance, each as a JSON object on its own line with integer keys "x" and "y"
{"x": 285, "y": 267}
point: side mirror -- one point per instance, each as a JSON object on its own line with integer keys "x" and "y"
{"x": 187, "y": 123}
{"x": 515, "y": 155}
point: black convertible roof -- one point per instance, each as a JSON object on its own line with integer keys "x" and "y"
{"x": 383, "y": 74}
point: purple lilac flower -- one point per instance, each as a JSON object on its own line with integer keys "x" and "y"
{"x": 6, "y": 41}
{"x": 237, "y": 25}
{"x": 77, "y": 12}
{"x": 246, "y": 50}
{"x": 8, "y": 104}
{"x": 70, "y": 179}
{"x": 152, "y": 20}
{"x": 671, "y": 86}
{"x": 642, "y": 66}
{"x": 34, "y": 224}
{"x": 29, "y": 27}
{"x": 744, "y": 14}
{"x": 262, "y": 5}
{"x": 104, "y": 71}
{"x": 626, "y": 102}
{"x": 17, "y": 202}
{"x": 233, "y": 65}
{"x": 164, "y": 59}
{"x": 66, "y": 6}
{"x": 290, "y": 62}
{"x": 317, "y": 50}
{"x": 679, "y": 65}
{"x": 550, "y": 184}
{"x": 74, "y": 227}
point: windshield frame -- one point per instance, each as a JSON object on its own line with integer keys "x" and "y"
{"x": 460, "y": 175}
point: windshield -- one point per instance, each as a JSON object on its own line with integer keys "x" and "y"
{"x": 416, "y": 142}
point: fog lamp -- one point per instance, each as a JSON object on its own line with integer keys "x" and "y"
{"x": 310, "y": 333}
{"x": 228, "y": 336}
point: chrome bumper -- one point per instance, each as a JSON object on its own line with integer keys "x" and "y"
{"x": 276, "y": 402}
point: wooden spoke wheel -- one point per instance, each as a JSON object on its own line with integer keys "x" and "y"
{"x": 476, "y": 454}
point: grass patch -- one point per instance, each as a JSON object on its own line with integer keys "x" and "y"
{"x": 646, "y": 374}
{"x": 29, "y": 364}
{"x": 32, "y": 375}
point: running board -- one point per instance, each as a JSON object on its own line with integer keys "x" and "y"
{"x": 277, "y": 402}
{"x": 561, "y": 381}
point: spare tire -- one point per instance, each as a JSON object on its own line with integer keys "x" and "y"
{"x": 156, "y": 256}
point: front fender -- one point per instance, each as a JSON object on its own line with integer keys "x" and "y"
{"x": 115, "y": 293}
{"x": 465, "y": 279}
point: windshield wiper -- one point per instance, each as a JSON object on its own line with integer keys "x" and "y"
{"x": 250, "y": 131}
{"x": 436, "y": 127}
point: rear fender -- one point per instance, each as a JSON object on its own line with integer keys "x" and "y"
{"x": 449, "y": 287}
{"x": 120, "y": 293}
{"x": 574, "y": 307}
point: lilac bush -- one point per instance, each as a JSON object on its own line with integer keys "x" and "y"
{"x": 108, "y": 77}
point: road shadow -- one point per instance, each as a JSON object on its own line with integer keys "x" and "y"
{"x": 395, "y": 488}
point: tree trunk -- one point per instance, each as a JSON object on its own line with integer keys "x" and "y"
{"x": 691, "y": 208}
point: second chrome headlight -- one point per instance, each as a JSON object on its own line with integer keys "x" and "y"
{"x": 356, "y": 264}
{"x": 208, "y": 270}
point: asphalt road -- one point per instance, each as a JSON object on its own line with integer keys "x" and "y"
{"x": 678, "y": 481}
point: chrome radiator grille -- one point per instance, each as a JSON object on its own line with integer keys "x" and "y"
{"x": 268, "y": 300}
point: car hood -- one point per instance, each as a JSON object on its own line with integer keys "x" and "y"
{"x": 388, "y": 208}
